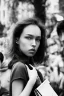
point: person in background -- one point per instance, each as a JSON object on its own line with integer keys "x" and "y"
{"x": 60, "y": 32}
{"x": 28, "y": 50}
{"x": 59, "y": 86}
{"x": 2, "y": 90}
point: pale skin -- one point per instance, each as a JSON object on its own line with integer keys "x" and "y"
{"x": 29, "y": 39}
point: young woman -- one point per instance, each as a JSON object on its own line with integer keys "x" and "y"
{"x": 28, "y": 48}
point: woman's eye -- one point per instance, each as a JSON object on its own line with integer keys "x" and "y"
{"x": 29, "y": 38}
{"x": 38, "y": 40}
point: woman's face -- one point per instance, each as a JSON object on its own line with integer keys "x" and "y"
{"x": 30, "y": 40}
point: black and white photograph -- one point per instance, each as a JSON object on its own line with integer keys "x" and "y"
{"x": 31, "y": 47}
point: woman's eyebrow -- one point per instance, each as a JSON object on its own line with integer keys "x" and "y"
{"x": 29, "y": 34}
{"x": 33, "y": 35}
{"x": 39, "y": 37}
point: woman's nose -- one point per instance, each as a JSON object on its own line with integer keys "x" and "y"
{"x": 34, "y": 43}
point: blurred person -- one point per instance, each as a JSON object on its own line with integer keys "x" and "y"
{"x": 2, "y": 90}
{"x": 4, "y": 76}
{"x": 53, "y": 63}
{"x": 60, "y": 32}
{"x": 28, "y": 50}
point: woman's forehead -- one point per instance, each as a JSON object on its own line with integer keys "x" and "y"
{"x": 32, "y": 29}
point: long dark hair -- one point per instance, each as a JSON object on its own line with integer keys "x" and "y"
{"x": 38, "y": 57}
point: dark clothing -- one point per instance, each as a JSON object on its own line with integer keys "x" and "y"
{"x": 19, "y": 71}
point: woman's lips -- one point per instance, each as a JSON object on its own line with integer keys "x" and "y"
{"x": 32, "y": 50}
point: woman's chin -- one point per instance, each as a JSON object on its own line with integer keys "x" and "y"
{"x": 30, "y": 55}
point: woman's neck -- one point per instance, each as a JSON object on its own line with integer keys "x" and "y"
{"x": 23, "y": 58}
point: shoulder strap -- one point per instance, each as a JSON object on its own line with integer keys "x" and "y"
{"x": 40, "y": 75}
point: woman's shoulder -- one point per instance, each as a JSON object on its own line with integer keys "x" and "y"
{"x": 18, "y": 65}
{"x": 19, "y": 71}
